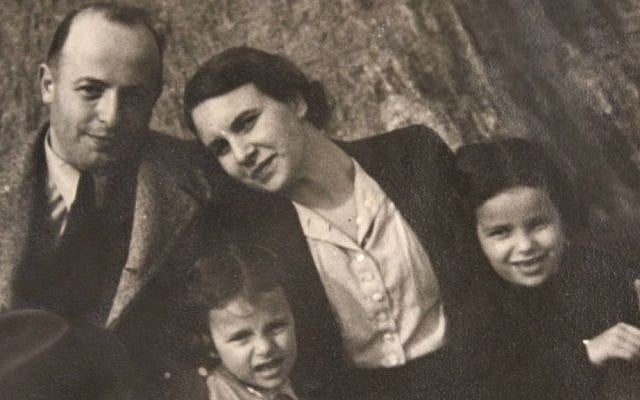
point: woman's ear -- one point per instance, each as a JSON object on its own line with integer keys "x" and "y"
{"x": 299, "y": 105}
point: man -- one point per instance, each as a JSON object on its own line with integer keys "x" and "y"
{"x": 100, "y": 214}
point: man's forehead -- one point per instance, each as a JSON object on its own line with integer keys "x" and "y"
{"x": 91, "y": 32}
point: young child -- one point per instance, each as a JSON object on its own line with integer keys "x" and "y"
{"x": 568, "y": 311}
{"x": 250, "y": 326}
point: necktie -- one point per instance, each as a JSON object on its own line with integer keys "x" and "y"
{"x": 81, "y": 254}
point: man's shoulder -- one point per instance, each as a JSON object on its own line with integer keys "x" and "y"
{"x": 178, "y": 162}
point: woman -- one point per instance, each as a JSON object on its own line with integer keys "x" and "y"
{"x": 373, "y": 223}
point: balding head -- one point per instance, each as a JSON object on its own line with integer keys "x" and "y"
{"x": 101, "y": 85}
{"x": 125, "y": 15}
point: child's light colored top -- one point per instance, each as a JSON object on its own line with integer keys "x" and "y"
{"x": 224, "y": 386}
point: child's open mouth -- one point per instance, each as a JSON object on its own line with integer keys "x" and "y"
{"x": 269, "y": 367}
{"x": 529, "y": 265}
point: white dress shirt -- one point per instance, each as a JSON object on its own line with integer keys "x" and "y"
{"x": 60, "y": 190}
{"x": 382, "y": 287}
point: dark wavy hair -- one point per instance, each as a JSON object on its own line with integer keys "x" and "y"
{"x": 486, "y": 169}
{"x": 272, "y": 74}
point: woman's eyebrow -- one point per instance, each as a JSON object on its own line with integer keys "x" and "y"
{"x": 237, "y": 122}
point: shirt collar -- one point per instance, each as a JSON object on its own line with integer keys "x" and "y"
{"x": 286, "y": 387}
{"x": 369, "y": 198}
{"x": 61, "y": 175}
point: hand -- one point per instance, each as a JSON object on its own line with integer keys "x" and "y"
{"x": 621, "y": 341}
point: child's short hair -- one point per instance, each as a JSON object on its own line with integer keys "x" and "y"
{"x": 489, "y": 168}
{"x": 245, "y": 269}
{"x": 220, "y": 275}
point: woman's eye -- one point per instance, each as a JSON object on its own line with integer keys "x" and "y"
{"x": 219, "y": 147}
{"x": 249, "y": 122}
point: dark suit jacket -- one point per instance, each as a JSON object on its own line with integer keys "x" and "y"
{"x": 591, "y": 292}
{"x": 170, "y": 195}
{"x": 415, "y": 169}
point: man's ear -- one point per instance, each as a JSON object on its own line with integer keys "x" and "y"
{"x": 299, "y": 106}
{"x": 47, "y": 83}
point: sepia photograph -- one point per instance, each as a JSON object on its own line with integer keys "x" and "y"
{"x": 320, "y": 200}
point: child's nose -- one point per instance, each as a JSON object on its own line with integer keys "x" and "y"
{"x": 524, "y": 242}
{"x": 264, "y": 345}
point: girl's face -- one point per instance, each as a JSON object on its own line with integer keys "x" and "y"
{"x": 257, "y": 140}
{"x": 255, "y": 338}
{"x": 521, "y": 234}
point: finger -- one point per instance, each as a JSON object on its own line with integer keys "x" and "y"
{"x": 628, "y": 330}
{"x": 624, "y": 350}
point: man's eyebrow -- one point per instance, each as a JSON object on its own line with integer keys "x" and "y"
{"x": 236, "y": 124}
{"x": 92, "y": 81}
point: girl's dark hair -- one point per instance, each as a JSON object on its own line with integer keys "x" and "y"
{"x": 486, "y": 169}
{"x": 272, "y": 74}
{"x": 246, "y": 270}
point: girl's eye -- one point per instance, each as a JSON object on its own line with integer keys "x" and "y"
{"x": 240, "y": 336}
{"x": 539, "y": 223}
{"x": 277, "y": 327}
{"x": 498, "y": 232}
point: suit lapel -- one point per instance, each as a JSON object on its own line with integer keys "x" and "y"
{"x": 163, "y": 211}
{"x": 18, "y": 190}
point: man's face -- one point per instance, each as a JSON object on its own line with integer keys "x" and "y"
{"x": 101, "y": 91}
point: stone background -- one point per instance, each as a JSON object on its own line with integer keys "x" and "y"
{"x": 564, "y": 72}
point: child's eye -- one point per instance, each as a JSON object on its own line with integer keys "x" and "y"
{"x": 278, "y": 326}
{"x": 239, "y": 336}
{"x": 538, "y": 223}
{"x": 498, "y": 232}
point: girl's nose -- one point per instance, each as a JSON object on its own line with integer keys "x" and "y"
{"x": 264, "y": 345}
{"x": 524, "y": 243}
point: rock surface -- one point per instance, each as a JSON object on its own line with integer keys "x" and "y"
{"x": 562, "y": 72}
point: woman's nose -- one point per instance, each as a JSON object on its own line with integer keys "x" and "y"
{"x": 244, "y": 153}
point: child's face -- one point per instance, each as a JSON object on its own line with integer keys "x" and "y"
{"x": 521, "y": 234}
{"x": 255, "y": 338}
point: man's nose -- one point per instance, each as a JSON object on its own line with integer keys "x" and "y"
{"x": 109, "y": 108}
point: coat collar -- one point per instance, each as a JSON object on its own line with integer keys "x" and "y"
{"x": 19, "y": 180}
{"x": 164, "y": 209}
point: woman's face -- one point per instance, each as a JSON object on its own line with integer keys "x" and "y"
{"x": 257, "y": 140}
{"x": 521, "y": 234}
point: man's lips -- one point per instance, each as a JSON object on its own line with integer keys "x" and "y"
{"x": 102, "y": 141}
